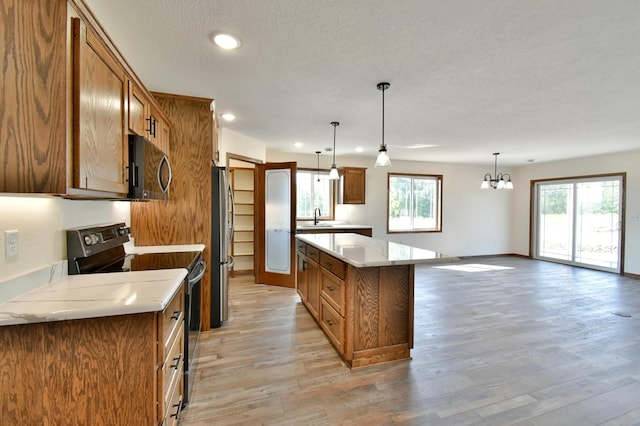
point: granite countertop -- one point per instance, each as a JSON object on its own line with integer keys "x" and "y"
{"x": 94, "y": 295}
{"x": 361, "y": 251}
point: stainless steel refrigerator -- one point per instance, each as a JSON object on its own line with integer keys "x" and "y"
{"x": 222, "y": 214}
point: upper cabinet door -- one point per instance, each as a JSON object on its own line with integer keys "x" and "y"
{"x": 32, "y": 97}
{"x": 100, "y": 147}
{"x": 138, "y": 110}
{"x": 351, "y": 188}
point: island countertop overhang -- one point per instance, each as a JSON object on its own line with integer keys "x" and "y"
{"x": 363, "y": 252}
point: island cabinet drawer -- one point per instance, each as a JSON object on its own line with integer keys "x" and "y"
{"x": 333, "y": 265}
{"x": 333, "y": 325}
{"x": 313, "y": 253}
{"x": 170, "y": 321}
{"x": 300, "y": 246}
{"x": 333, "y": 290}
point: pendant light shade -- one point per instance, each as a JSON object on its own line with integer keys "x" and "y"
{"x": 383, "y": 159}
{"x": 333, "y": 173}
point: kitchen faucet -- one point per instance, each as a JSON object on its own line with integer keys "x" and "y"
{"x": 316, "y": 215}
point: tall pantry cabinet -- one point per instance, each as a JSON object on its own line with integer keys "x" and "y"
{"x": 185, "y": 218}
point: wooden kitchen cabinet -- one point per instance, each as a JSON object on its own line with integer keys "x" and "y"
{"x": 117, "y": 370}
{"x": 100, "y": 145}
{"x": 33, "y": 116}
{"x": 352, "y": 185}
{"x": 65, "y": 113}
{"x": 215, "y": 150}
{"x": 308, "y": 278}
{"x": 301, "y": 274}
{"x": 313, "y": 282}
{"x": 138, "y": 109}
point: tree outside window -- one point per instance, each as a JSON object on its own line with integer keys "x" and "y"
{"x": 414, "y": 203}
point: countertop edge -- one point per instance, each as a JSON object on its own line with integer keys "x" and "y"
{"x": 16, "y": 312}
{"x": 307, "y": 239}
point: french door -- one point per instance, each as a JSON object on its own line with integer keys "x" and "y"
{"x": 579, "y": 221}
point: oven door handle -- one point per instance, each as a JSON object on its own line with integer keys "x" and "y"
{"x": 200, "y": 274}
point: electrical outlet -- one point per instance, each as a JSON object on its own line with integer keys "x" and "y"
{"x": 634, "y": 217}
{"x": 11, "y": 243}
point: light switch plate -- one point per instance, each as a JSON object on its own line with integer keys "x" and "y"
{"x": 10, "y": 243}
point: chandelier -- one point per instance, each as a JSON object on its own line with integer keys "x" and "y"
{"x": 499, "y": 181}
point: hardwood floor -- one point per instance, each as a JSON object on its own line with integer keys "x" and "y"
{"x": 535, "y": 343}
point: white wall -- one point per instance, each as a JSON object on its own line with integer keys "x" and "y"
{"x": 480, "y": 222}
{"x": 613, "y": 163}
{"x": 41, "y": 223}
{"x": 475, "y": 221}
{"x": 233, "y": 142}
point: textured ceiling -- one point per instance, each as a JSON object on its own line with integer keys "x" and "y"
{"x": 542, "y": 80}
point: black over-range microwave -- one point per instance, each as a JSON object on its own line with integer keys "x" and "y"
{"x": 149, "y": 170}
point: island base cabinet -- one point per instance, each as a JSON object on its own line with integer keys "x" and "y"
{"x": 379, "y": 314}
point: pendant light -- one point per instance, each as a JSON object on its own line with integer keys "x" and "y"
{"x": 318, "y": 169}
{"x": 383, "y": 158}
{"x": 333, "y": 173}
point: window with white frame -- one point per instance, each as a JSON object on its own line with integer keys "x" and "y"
{"x": 414, "y": 203}
{"x": 314, "y": 190}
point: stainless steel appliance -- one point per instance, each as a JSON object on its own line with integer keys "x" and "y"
{"x": 149, "y": 170}
{"x": 222, "y": 223}
{"x": 98, "y": 249}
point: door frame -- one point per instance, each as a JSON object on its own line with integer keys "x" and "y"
{"x": 533, "y": 213}
{"x": 231, "y": 156}
{"x": 261, "y": 275}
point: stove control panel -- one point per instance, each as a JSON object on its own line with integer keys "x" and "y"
{"x": 83, "y": 242}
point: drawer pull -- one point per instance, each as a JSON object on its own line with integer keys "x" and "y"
{"x": 330, "y": 288}
{"x": 330, "y": 322}
{"x": 176, "y": 361}
{"x": 176, "y": 315}
{"x": 177, "y": 407}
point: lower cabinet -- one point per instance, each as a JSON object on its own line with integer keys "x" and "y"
{"x": 308, "y": 278}
{"x": 118, "y": 370}
{"x": 366, "y": 313}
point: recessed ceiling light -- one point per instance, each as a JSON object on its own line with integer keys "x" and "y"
{"x": 227, "y": 116}
{"x": 226, "y": 41}
{"x": 298, "y": 144}
{"x": 359, "y": 149}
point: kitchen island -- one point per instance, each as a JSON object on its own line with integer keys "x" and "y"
{"x": 360, "y": 291}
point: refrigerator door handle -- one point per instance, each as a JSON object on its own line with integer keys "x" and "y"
{"x": 233, "y": 214}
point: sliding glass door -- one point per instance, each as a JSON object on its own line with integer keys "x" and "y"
{"x": 579, "y": 221}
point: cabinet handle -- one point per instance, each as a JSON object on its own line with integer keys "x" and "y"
{"x": 152, "y": 126}
{"x": 330, "y": 288}
{"x": 177, "y": 407}
{"x": 176, "y": 315}
{"x": 177, "y": 362}
{"x": 330, "y": 322}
